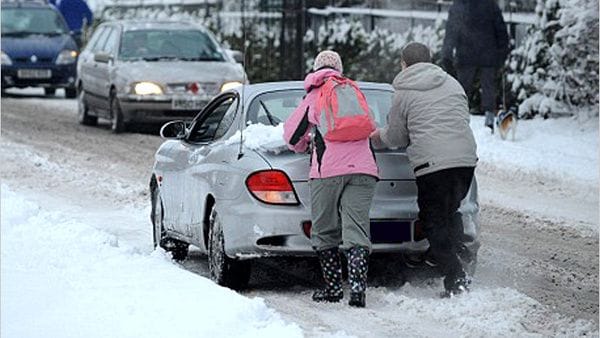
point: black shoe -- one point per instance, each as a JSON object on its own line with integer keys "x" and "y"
{"x": 357, "y": 299}
{"x": 429, "y": 260}
{"x": 413, "y": 260}
{"x": 327, "y": 296}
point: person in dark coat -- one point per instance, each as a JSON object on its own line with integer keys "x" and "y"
{"x": 476, "y": 39}
{"x": 75, "y": 12}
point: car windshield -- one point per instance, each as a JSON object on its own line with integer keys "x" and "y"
{"x": 275, "y": 107}
{"x": 25, "y": 21}
{"x": 159, "y": 45}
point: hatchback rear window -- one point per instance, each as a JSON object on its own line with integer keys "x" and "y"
{"x": 275, "y": 107}
{"x": 23, "y": 21}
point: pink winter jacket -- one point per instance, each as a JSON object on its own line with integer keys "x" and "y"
{"x": 329, "y": 158}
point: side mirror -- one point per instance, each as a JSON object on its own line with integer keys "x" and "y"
{"x": 173, "y": 130}
{"x": 103, "y": 57}
{"x": 236, "y": 55}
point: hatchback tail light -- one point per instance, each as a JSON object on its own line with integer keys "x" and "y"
{"x": 272, "y": 187}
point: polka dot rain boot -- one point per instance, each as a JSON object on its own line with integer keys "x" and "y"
{"x": 358, "y": 264}
{"x": 332, "y": 274}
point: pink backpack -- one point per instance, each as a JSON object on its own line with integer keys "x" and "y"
{"x": 344, "y": 111}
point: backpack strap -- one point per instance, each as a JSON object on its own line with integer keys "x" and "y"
{"x": 362, "y": 100}
{"x": 327, "y": 102}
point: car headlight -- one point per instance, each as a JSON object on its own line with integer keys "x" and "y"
{"x": 6, "y": 61}
{"x": 66, "y": 57}
{"x": 229, "y": 85}
{"x": 147, "y": 88}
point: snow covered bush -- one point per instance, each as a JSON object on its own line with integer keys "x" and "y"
{"x": 369, "y": 56}
{"x": 555, "y": 69}
{"x": 574, "y": 68}
{"x": 380, "y": 60}
{"x": 261, "y": 47}
{"x": 348, "y": 38}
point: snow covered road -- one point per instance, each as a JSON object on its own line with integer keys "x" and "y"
{"x": 76, "y": 199}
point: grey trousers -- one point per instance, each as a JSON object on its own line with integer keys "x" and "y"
{"x": 340, "y": 211}
{"x": 487, "y": 78}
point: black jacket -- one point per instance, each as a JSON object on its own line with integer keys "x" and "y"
{"x": 476, "y": 30}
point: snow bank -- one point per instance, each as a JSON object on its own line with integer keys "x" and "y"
{"x": 562, "y": 149}
{"x": 262, "y": 138}
{"x": 483, "y": 312}
{"x": 64, "y": 278}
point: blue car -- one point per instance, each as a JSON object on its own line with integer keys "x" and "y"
{"x": 38, "y": 50}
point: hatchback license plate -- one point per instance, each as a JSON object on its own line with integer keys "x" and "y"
{"x": 390, "y": 231}
{"x": 34, "y": 73}
{"x": 186, "y": 103}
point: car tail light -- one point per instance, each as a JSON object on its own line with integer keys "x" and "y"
{"x": 272, "y": 187}
{"x": 306, "y": 228}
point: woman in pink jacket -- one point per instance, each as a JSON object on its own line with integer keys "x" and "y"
{"x": 343, "y": 175}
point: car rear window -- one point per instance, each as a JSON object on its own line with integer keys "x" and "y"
{"x": 154, "y": 45}
{"x": 32, "y": 21}
{"x": 275, "y": 107}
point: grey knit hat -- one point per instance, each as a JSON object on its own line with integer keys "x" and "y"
{"x": 328, "y": 58}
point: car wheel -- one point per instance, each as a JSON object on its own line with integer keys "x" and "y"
{"x": 82, "y": 111}
{"x": 49, "y": 91}
{"x": 178, "y": 249}
{"x": 224, "y": 271}
{"x": 117, "y": 125}
{"x": 70, "y": 93}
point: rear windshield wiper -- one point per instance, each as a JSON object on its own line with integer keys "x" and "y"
{"x": 269, "y": 116}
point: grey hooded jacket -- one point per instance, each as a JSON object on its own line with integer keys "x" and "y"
{"x": 430, "y": 116}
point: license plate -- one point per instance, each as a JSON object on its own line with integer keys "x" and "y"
{"x": 186, "y": 103}
{"x": 390, "y": 231}
{"x": 34, "y": 73}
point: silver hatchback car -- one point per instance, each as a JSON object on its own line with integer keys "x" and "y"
{"x": 214, "y": 188}
{"x": 151, "y": 72}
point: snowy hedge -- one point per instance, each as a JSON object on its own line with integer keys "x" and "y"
{"x": 555, "y": 70}
{"x": 368, "y": 56}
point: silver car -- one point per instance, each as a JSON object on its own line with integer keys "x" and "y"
{"x": 211, "y": 186}
{"x": 151, "y": 72}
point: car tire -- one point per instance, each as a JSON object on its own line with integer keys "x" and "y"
{"x": 224, "y": 270}
{"x": 83, "y": 116}
{"x": 70, "y": 93}
{"x": 117, "y": 125}
{"x": 49, "y": 91}
{"x": 178, "y": 249}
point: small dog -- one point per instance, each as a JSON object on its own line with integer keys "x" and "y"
{"x": 507, "y": 122}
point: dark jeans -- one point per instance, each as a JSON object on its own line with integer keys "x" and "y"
{"x": 439, "y": 197}
{"x": 487, "y": 78}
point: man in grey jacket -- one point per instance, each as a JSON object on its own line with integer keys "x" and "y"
{"x": 430, "y": 117}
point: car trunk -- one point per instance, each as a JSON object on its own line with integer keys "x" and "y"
{"x": 395, "y": 193}
{"x": 393, "y": 165}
